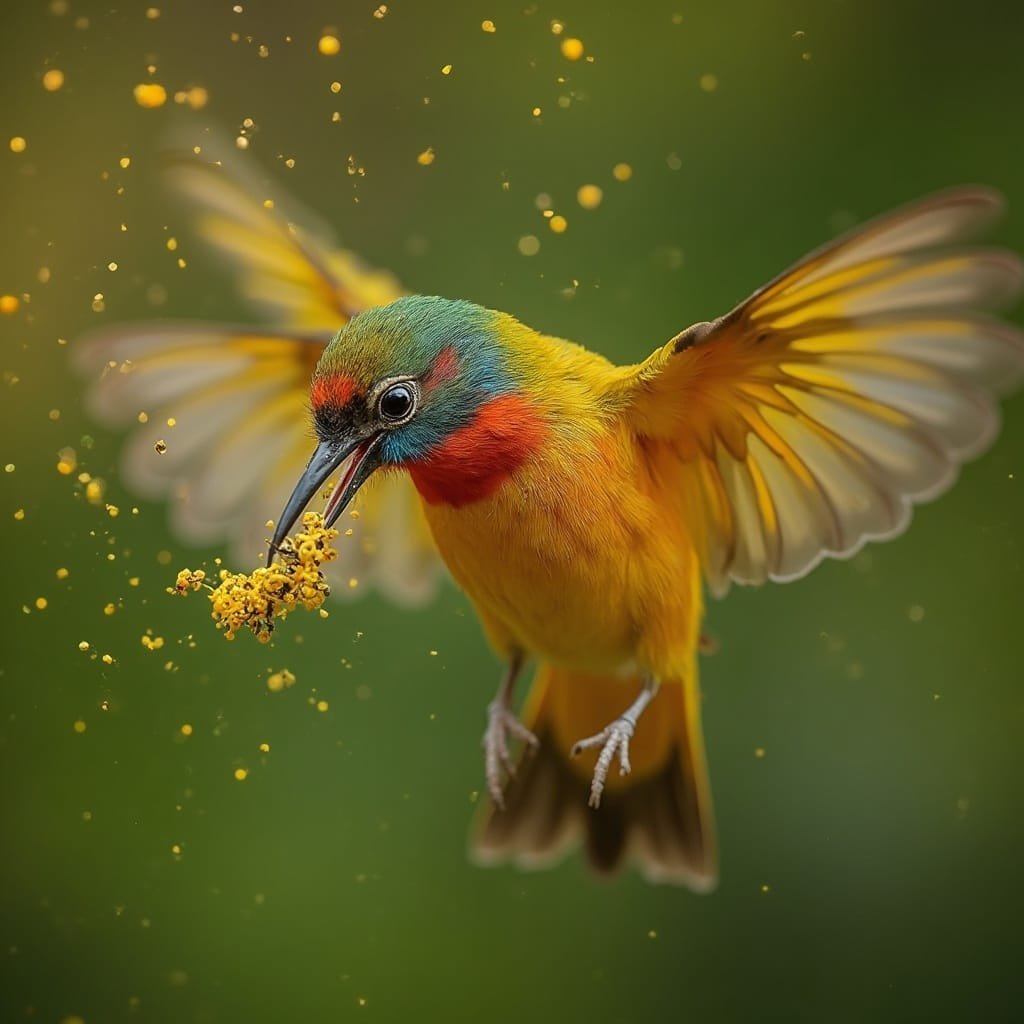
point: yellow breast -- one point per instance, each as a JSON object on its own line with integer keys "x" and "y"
{"x": 579, "y": 558}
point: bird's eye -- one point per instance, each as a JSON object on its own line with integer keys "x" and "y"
{"x": 396, "y": 404}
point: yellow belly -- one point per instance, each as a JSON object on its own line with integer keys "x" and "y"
{"x": 583, "y": 564}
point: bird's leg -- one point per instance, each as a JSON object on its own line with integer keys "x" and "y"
{"x": 614, "y": 739}
{"x": 501, "y": 720}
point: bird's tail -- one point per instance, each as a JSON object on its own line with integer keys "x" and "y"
{"x": 659, "y": 815}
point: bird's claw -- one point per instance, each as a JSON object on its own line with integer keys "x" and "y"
{"x": 501, "y": 721}
{"x": 613, "y": 739}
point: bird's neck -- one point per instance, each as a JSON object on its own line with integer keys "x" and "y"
{"x": 477, "y": 458}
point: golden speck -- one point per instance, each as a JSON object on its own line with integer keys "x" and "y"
{"x": 19, "y": 514}
{"x": 766, "y": 888}
{"x": 290, "y": 162}
{"x": 446, "y": 70}
{"x": 759, "y": 752}
{"x": 652, "y": 934}
{"x": 263, "y": 50}
{"x": 79, "y": 726}
{"x": 172, "y": 244}
{"x": 622, "y": 172}
{"x": 152, "y": 13}
{"x": 18, "y": 144}
{"x": 426, "y": 158}
{"x": 53, "y": 79}
{"x": 83, "y": 645}
{"x": 112, "y": 266}
{"x": 195, "y": 97}
{"x": 278, "y": 681}
{"x": 572, "y": 48}
{"x": 9, "y": 468}
{"x": 41, "y": 603}
{"x": 113, "y": 511}
{"x": 536, "y": 112}
{"x": 63, "y": 574}
{"x": 150, "y": 95}
{"x": 176, "y": 850}
{"x": 59, "y": 7}
{"x": 322, "y": 705}
{"x": 182, "y": 264}
{"x": 381, "y": 11}
{"x": 241, "y": 774}
{"x": 558, "y": 224}
{"x": 335, "y": 87}
{"x": 160, "y": 446}
{"x": 329, "y": 45}
{"x": 488, "y": 26}
{"x": 171, "y": 421}
{"x": 9, "y": 304}
{"x": 529, "y": 245}
{"x": 133, "y": 581}
{"x": 264, "y": 748}
{"x": 107, "y": 659}
{"x": 125, "y": 162}
{"x": 708, "y": 82}
{"x": 589, "y": 196}
{"x": 98, "y": 305}
{"x": 186, "y": 729}
{"x": 557, "y": 27}
{"x": 67, "y": 461}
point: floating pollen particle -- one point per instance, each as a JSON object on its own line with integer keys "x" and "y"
{"x": 53, "y": 79}
{"x": 589, "y": 196}
{"x": 150, "y": 95}
{"x": 426, "y": 158}
{"x": 622, "y": 172}
{"x": 329, "y": 45}
{"x": 572, "y": 48}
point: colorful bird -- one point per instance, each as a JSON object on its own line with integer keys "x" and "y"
{"x": 584, "y": 506}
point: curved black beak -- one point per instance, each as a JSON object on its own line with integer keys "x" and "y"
{"x": 359, "y": 457}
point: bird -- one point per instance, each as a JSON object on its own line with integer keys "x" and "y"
{"x": 587, "y": 509}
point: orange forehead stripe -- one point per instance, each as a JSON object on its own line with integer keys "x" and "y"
{"x": 332, "y": 389}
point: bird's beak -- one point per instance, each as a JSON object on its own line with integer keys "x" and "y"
{"x": 359, "y": 458}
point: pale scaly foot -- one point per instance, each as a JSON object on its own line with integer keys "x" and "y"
{"x": 501, "y": 722}
{"x": 614, "y": 739}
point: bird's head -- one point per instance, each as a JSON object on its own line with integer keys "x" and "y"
{"x": 431, "y": 385}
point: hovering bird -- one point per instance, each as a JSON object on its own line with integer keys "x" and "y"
{"x": 584, "y": 507}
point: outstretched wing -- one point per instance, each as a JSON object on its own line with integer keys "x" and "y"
{"x": 812, "y": 416}
{"x": 238, "y": 395}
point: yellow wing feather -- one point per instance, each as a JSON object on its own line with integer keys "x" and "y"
{"x": 808, "y": 419}
{"x": 239, "y": 394}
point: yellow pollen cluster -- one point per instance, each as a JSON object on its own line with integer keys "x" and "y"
{"x": 294, "y": 578}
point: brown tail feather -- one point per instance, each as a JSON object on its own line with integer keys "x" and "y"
{"x": 661, "y": 816}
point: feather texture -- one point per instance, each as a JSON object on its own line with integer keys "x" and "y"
{"x": 812, "y": 416}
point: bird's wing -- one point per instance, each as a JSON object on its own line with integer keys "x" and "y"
{"x": 812, "y": 416}
{"x": 238, "y": 396}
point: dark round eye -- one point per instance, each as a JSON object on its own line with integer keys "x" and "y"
{"x": 396, "y": 403}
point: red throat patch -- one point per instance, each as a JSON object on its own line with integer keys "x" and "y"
{"x": 476, "y": 459}
{"x": 332, "y": 389}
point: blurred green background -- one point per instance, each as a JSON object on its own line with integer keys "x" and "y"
{"x": 870, "y": 856}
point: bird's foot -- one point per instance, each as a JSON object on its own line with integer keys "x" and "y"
{"x": 501, "y": 723}
{"x": 612, "y": 739}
